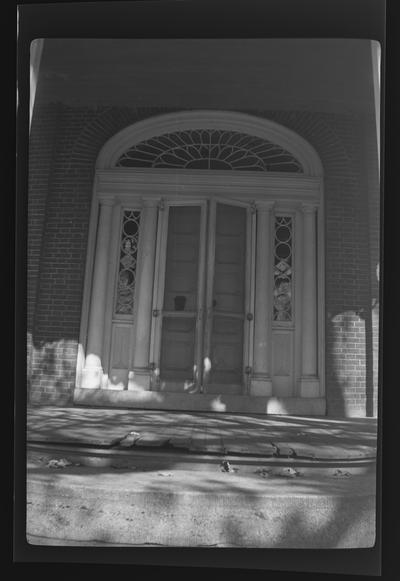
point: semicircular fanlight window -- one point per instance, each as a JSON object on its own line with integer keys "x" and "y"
{"x": 210, "y": 149}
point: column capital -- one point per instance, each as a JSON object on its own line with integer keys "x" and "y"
{"x": 264, "y": 205}
{"x": 107, "y": 201}
{"x": 150, "y": 203}
{"x": 309, "y": 207}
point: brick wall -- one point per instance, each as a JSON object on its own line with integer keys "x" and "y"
{"x": 347, "y": 147}
{"x": 64, "y": 146}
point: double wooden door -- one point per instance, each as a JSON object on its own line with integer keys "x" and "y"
{"x": 203, "y": 296}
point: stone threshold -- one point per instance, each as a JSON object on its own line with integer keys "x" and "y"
{"x": 156, "y": 400}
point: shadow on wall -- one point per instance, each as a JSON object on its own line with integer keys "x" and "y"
{"x": 51, "y": 370}
{"x": 351, "y": 373}
{"x": 52, "y": 366}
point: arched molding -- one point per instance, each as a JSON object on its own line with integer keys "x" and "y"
{"x": 136, "y": 187}
{"x": 224, "y": 120}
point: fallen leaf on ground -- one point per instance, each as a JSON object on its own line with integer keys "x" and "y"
{"x": 341, "y": 474}
{"x": 226, "y": 467}
{"x": 289, "y": 472}
{"x": 61, "y": 463}
{"x": 129, "y": 440}
{"x": 165, "y": 474}
{"x": 123, "y": 466}
{"x": 264, "y": 472}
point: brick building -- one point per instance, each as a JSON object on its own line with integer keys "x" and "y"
{"x": 204, "y": 226}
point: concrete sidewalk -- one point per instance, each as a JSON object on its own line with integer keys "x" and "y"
{"x": 258, "y": 435}
{"x": 166, "y": 483}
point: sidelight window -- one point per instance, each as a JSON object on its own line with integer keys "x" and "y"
{"x": 283, "y": 268}
{"x": 126, "y": 280}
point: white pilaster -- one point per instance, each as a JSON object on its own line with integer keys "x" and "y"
{"x": 261, "y": 383}
{"x": 309, "y": 382}
{"x": 93, "y": 370}
{"x": 139, "y": 378}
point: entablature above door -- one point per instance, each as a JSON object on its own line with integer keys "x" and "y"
{"x": 130, "y": 185}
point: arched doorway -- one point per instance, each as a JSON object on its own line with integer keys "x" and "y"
{"x": 204, "y": 286}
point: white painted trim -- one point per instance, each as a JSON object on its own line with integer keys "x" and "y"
{"x": 321, "y": 290}
{"x": 252, "y": 283}
{"x": 209, "y": 291}
{"x": 87, "y": 286}
{"x": 159, "y": 285}
{"x": 298, "y": 294}
{"x": 132, "y": 187}
{"x": 201, "y": 295}
{"x": 156, "y": 285}
{"x": 209, "y": 119}
{"x": 111, "y": 285}
{"x": 241, "y": 185}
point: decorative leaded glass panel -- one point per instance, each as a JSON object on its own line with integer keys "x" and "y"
{"x": 210, "y": 149}
{"x": 283, "y": 268}
{"x": 127, "y": 262}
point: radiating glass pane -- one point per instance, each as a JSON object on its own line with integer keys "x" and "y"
{"x": 210, "y": 149}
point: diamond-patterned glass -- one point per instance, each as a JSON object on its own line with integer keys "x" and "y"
{"x": 127, "y": 263}
{"x": 283, "y": 268}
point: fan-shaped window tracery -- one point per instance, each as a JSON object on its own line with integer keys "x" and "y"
{"x": 210, "y": 149}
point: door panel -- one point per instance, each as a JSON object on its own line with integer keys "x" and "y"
{"x": 230, "y": 246}
{"x": 227, "y": 308}
{"x": 120, "y": 356}
{"x": 185, "y": 339}
{"x": 182, "y": 262}
{"x": 178, "y": 362}
{"x": 177, "y": 353}
{"x": 227, "y": 350}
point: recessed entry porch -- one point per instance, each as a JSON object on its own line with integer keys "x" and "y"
{"x": 204, "y": 286}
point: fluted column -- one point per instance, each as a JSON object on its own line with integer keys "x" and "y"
{"x": 261, "y": 383}
{"x": 93, "y": 370}
{"x": 139, "y": 377}
{"x": 309, "y": 382}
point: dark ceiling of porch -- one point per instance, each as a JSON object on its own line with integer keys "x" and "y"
{"x": 243, "y": 74}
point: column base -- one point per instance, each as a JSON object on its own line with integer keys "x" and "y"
{"x": 309, "y": 387}
{"x": 139, "y": 379}
{"x": 92, "y": 377}
{"x": 260, "y": 386}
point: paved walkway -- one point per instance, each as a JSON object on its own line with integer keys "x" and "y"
{"x": 207, "y": 433}
{"x": 137, "y": 489}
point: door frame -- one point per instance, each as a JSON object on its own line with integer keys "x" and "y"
{"x": 132, "y": 187}
{"x": 205, "y": 285}
{"x": 159, "y": 281}
{"x": 136, "y": 188}
{"x": 248, "y": 323}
